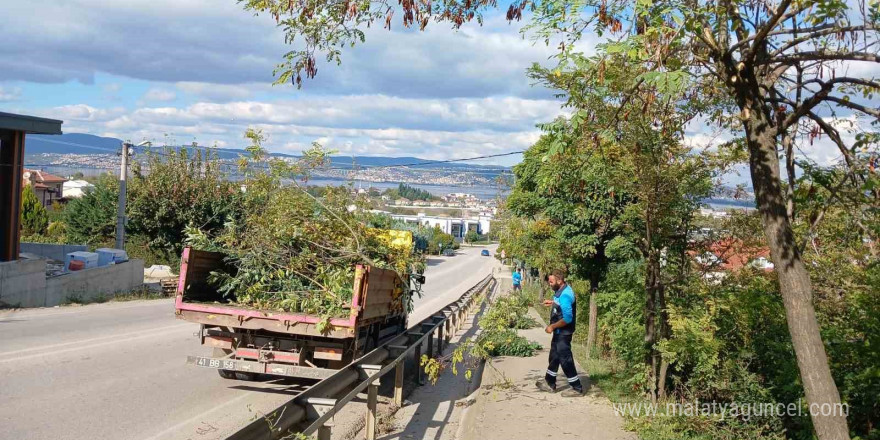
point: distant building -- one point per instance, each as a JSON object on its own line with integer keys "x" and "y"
{"x": 717, "y": 214}
{"x": 74, "y": 189}
{"x": 455, "y": 226}
{"x": 402, "y": 201}
{"x": 48, "y": 187}
{"x": 730, "y": 255}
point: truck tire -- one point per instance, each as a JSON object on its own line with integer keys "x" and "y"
{"x": 226, "y": 374}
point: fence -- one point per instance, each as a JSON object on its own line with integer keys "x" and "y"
{"x": 316, "y": 406}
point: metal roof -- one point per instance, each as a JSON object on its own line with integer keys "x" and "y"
{"x": 29, "y": 124}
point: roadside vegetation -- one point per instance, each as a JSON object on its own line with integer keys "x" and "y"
{"x": 135, "y": 295}
{"x": 498, "y": 337}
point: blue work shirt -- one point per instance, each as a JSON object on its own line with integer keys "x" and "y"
{"x": 517, "y": 278}
{"x": 564, "y": 309}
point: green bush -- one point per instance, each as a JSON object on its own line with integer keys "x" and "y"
{"x": 508, "y": 312}
{"x": 91, "y": 219}
{"x": 34, "y": 217}
{"x": 180, "y": 190}
{"x": 507, "y": 343}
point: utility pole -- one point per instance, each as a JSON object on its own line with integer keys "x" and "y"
{"x": 120, "y": 213}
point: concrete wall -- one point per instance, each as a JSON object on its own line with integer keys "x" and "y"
{"x": 23, "y": 283}
{"x": 55, "y": 252}
{"x": 92, "y": 284}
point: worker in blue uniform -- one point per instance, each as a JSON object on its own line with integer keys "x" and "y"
{"x": 562, "y": 325}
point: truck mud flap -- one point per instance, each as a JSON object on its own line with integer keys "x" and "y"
{"x": 257, "y": 367}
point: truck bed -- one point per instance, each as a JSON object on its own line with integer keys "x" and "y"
{"x": 377, "y": 295}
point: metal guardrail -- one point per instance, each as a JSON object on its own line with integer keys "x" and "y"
{"x": 317, "y": 405}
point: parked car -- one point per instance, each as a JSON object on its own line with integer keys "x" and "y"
{"x": 449, "y": 252}
{"x": 485, "y": 253}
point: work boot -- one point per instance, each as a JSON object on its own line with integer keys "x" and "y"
{"x": 572, "y": 392}
{"x": 545, "y": 387}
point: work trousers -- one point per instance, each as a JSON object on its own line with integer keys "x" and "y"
{"x": 560, "y": 355}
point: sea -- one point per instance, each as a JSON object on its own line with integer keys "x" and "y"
{"x": 481, "y": 192}
{"x": 484, "y": 193}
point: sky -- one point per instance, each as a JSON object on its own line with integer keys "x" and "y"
{"x": 179, "y": 71}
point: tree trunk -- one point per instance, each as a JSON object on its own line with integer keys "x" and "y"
{"x": 794, "y": 280}
{"x": 661, "y": 383}
{"x": 652, "y": 356}
{"x": 542, "y": 286}
{"x": 594, "y": 315}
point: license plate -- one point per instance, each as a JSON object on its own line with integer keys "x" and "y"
{"x": 223, "y": 364}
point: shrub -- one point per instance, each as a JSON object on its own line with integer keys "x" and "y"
{"x": 91, "y": 219}
{"x": 507, "y": 343}
{"x": 34, "y": 217}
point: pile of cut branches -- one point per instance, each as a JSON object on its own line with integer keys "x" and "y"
{"x": 293, "y": 251}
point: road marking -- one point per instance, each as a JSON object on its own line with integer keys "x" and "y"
{"x": 78, "y": 310}
{"x": 93, "y": 342}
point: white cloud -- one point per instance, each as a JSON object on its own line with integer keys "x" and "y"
{"x": 219, "y": 92}
{"x": 9, "y": 94}
{"x": 159, "y": 94}
{"x": 364, "y": 125}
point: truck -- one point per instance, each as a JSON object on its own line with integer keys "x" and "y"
{"x": 248, "y": 342}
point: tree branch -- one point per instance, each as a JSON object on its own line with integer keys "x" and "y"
{"x": 852, "y": 105}
{"x": 762, "y": 32}
{"x": 823, "y": 56}
{"x": 820, "y": 32}
{"x": 835, "y": 137}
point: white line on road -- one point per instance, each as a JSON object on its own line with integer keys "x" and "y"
{"x": 51, "y": 312}
{"x": 94, "y": 342}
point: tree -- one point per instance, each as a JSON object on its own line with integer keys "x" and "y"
{"x": 34, "y": 217}
{"x": 91, "y": 218}
{"x": 180, "y": 189}
{"x": 571, "y": 191}
{"x": 471, "y": 236}
{"x": 772, "y": 67}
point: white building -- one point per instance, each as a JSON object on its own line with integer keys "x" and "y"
{"x": 74, "y": 189}
{"x": 457, "y": 227}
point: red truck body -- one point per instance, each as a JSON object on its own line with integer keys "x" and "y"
{"x": 247, "y": 341}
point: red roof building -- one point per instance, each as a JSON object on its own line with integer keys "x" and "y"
{"x": 732, "y": 254}
{"x": 48, "y": 187}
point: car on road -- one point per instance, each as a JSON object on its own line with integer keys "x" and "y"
{"x": 485, "y": 253}
{"x": 449, "y": 252}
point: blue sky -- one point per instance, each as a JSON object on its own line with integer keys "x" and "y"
{"x": 201, "y": 70}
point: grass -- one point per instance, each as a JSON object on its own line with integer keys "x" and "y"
{"x": 143, "y": 293}
{"x": 614, "y": 379}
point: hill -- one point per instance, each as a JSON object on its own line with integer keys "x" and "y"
{"x": 81, "y": 143}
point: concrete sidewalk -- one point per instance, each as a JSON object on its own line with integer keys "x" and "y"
{"x": 509, "y": 406}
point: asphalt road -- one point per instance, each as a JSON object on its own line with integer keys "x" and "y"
{"x": 117, "y": 370}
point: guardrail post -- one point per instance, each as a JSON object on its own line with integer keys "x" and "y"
{"x": 372, "y": 400}
{"x": 429, "y": 330}
{"x": 417, "y": 353}
{"x": 437, "y": 320}
{"x": 396, "y": 351}
{"x": 317, "y": 407}
{"x": 446, "y": 324}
